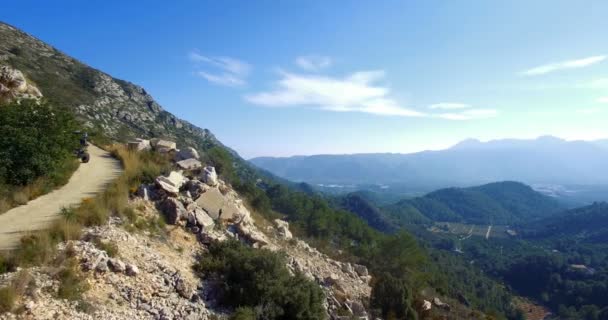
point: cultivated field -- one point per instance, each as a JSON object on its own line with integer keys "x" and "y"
{"x": 464, "y": 231}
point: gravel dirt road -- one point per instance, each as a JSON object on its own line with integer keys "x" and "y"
{"x": 88, "y": 180}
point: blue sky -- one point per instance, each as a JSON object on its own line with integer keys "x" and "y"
{"x": 306, "y": 77}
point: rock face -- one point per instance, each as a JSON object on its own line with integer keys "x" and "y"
{"x": 121, "y": 109}
{"x": 210, "y": 176}
{"x": 14, "y": 86}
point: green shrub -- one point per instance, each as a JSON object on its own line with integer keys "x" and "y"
{"x": 36, "y": 139}
{"x": 393, "y": 298}
{"x": 7, "y": 264}
{"x": 7, "y": 299}
{"x": 109, "y": 247}
{"x": 244, "y": 313}
{"x": 259, "y": 280}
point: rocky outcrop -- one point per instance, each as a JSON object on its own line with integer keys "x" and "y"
{"x": 283, "y": 228}
{"x": 14, "y": 86}
{"x": 122, "y": 110}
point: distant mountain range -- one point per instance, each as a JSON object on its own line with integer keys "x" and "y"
{"x": 545, "y": 160}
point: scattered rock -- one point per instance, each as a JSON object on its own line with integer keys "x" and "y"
{"x": 203, "y": 220}
{"x": 102, "y": 266}
{"x": 210, "y": 176}
{"x": 426, "y": 305}
{"x": 440, "y": 304}
{"x": 172, "y": 183}
{"x": 187, "y": 153}
{"x": 189, "y": 164}
{"x": 117, "y": 265}
{"x": 139, "y": 144}
{"x": 212, "y": 201}
{"x": 173, "y": 210}
{"x": 165, "y": 146}
{"x": 132, "y": 270}
{"x": 361, "y": 270}
{"x": 183, "y": 288}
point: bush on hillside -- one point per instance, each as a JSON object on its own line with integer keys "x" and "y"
{"x": 393, "y": 298}
{"x": 259, "y": 283}
{"x": 36, "y": 139}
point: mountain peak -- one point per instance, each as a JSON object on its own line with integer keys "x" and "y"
{"x": 467, "y": 143}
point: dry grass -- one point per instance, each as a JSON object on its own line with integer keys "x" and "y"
{"x": 12, "y": 196}
{"x": 9, "y": 295}
{"x": 7, "y": 299}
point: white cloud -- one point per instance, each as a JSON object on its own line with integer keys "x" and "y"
{"x": 313, "y": 62}
{"x": 563, "y": 65}
{"x": 358, "y": 92}
{"x": 602, "y": 100}
{"x": 470, "y": 114}
{"x": 449, "y": 106}
{"x": 589, "y": 111}
{"x": 228, "y": 71}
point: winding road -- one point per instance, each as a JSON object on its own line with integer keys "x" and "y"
{"x": 87, "y": 181}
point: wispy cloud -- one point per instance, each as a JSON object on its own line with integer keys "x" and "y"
{"x": 358, "y": 92}
{"x": 563, "y": 65}
{"x": 449, "y": 106}
{"x": 469, "y": 114}
{"x": 226, "y": 71}
{"x": 313, "y": 62}
{"x": 602, "y": 100}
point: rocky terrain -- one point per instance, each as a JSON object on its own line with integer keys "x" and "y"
{"x": 119, "y": 109}
{"x": 14, "y": 86}
{"x": 150, "y": 275}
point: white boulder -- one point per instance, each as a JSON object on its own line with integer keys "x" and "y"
{"x": 283, "y": 228}
{"x": 189, "y": 164}
{"x": 172, "y": 183}
{"x": 210, "y": 176}
{"x": 139, "y": 144}
{"x": 165, "y": 146}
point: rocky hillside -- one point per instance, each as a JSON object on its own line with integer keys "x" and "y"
{"x": 135, "y": 274}
{"x": 119, "y": 109}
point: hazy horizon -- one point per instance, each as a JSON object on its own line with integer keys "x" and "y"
{"x": 438, "y": 149}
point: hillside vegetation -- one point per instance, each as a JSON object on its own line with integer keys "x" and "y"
{"x": 36, "y": 150}
{"x": 494, "y": 203}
